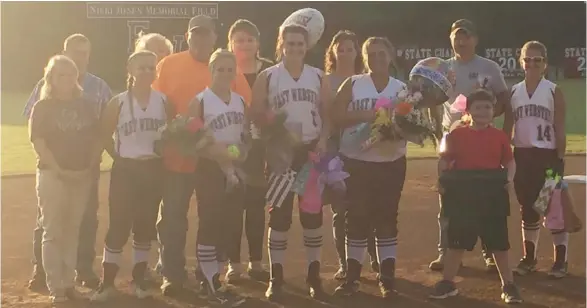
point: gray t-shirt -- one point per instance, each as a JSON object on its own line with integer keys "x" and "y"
{"x": 469, "y": 77}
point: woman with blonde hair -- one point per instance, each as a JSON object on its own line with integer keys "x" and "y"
{"x": 154, "y": 42}
{"x": 218, "y": 193}
{"x": 64, "y": 131}
{"x": 243, "y": 41}
{"x": 136, "y": 187}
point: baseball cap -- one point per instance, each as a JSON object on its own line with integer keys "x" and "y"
{"x": 463, "y": 24}
{"x": 201, "y": 21}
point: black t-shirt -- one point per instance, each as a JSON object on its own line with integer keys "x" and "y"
{"x": 70, "y": 130}
{"x": 251, "y": 77}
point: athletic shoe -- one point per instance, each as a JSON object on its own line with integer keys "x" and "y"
{"x": 438, "y": 264}
{"x": 490, "y": 265}
{"x": 257, "y": 272}
{"x": 314, "y": 281}
{"x": 510, "y": 294}
{"x": 444, "y": 289}
{"x": 139, "y": 290}
{"x": 347, "y": 289}
{"x": 220, "y": 296}
{"x": 170, "y": 289}
{"x": 104, "y": 293}
{"x": 525, "y": 266}
{"x": 38, "y": 282}
{"x": 387, "y": 278}
{"x": 274, "y": 290}
{"x": 234, "y": 273}
{"x": 559, "y": 270}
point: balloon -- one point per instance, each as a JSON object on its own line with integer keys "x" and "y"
{"x": 434, "y": 78}
{"x": 310, "y": 19}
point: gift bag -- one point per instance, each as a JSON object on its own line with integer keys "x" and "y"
{"x": 543, "y": 200}
{"x": 554, "y": 219}
{"x": 572, "y": 221}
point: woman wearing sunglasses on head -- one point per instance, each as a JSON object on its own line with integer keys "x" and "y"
{"x": 133, "y": 117}
{"x": 303, "y": 92}
{"x": 537, "y": 115}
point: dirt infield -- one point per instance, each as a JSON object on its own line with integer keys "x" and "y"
{"x": 418, "y": 236}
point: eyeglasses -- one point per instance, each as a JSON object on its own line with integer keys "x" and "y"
{"x": 533, "y": 59}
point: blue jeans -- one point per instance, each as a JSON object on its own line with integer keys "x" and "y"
{"x": 86, "y": 252}
{"x": 172, "y": 226}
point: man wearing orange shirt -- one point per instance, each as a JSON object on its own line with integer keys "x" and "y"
{"x": 181, "y": 76}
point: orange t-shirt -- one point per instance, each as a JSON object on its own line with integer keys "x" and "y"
{"x": 180, "y": 77}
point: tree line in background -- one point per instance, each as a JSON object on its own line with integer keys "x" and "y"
{"x": 33, "y": 31}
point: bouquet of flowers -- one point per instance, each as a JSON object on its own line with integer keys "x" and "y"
{"x": 190, "y": 136}
{"x": 279, "y": 138}
{"x": 405, "y": 116}
{"x": 319, "y": 173}
{"x": 187, "y": 134}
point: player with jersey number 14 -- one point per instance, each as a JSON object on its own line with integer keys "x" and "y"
{"x": 538, "y": 114}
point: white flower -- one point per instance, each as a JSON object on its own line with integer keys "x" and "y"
{"x": 403, "y": 93}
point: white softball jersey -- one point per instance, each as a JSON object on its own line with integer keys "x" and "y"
{"x": 136, "y": 131}
{"x": 299, "y": 98}
{"x": 225, "y": 119}
{"x": 534, "y": 115}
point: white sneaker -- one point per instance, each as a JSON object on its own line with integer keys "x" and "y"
{"x": 139, "y": 292}
{"x": 234, "y": 272}
{"x": 58, "y": 297}
{"x": 103, "y": 294}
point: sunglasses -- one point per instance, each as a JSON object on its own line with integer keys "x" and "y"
{"x": 533, "y": 59}
{"x": 295, "y": 44}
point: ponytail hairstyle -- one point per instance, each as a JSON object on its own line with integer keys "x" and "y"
{"x": 53, "y": 64}
{"x": 281, "y": 35}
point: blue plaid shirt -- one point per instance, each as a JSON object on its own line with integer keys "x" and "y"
{"x": 95, "y": 89}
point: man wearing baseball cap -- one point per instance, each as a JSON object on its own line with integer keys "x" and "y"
{"x": 181, "y": 76}
{"x": 472, "y": 72}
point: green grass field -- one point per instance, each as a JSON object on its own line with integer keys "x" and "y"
{"x": 18, "y": 156}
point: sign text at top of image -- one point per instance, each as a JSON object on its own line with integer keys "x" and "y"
{"x": 150, "y": 10}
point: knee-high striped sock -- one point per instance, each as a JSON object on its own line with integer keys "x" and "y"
{"x": 110, "y": 264}
{"x": 530, "y": 235}
{"x": 207, "y": 261}
{"x": 277, "y": 246}
{"x": 386, "y": 248}
{"x": 313, "y": 243}
{"x": 560, "y": 241}
{"x": 355, "y": 249}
